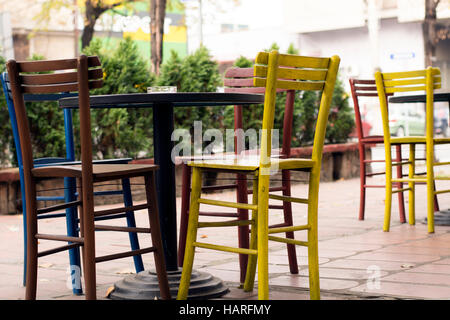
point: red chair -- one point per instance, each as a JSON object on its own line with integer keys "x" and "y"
{"x": 240, "y": 80}
{"x": 367, "y": 88}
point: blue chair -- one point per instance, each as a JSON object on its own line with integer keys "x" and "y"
{"x": 70, "y": 193}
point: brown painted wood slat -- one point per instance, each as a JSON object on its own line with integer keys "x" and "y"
{"x": 239, "y": 72}
{"x": 56, "y": 78}
{"x": 122, "y": 229}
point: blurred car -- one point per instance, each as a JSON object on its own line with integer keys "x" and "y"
{"x": 406, "y": 121}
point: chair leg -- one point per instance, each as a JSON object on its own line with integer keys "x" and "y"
{"x": 263, "y": 236}
{"x": 184, "y": 214}
{"x": 287, "y": 210}
{"x": 191, "y": 235}
{"x": 88, "y": 233}
{"x": 32, "y": 243}
{"x": 430, "y": 189}
{"x": 436, "y": 203}
{"x": 313, "y": 251}
{"x": 131, "y": 222}
{"x": 70, "y": 189}
{"x": 362, "y": 180}
{"x": 412, "y": 184}
{"x": 160, "y": 266}
{"x": 243, "y": 231}
{"x": 388, "y": 200}
{"x": 401, "y": 198}
{"x": 252, "y": 260}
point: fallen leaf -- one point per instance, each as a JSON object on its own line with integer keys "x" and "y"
{"x": 125, "y": 271}
{"x": 46, "y": 265}
{"x": 109, "y": 291}
{"x": 203, "y": 236}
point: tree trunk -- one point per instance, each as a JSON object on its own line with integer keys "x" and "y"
{"x": 157, "y": 16}
{"x": 429, "y": 31}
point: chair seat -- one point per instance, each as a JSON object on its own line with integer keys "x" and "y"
{"x": 100, "y": 171}
{"x": 251, "y": 163}
{"x": 418, "y": 139}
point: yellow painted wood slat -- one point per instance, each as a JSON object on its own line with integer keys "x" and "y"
{"x": 229, "y": 223}
{"x": 287, "y": 199}
{"x": 442, "y": 191}
{"x": 228, "y": 204}
{"x": 410, "y": 180}
{"x": 290, "y": 228}
{"x": 295, "y": 61}
{"x": 440, "y": 163}
{"x": 291, "y": 85}
{"x": 289, "y": 241}
{"x": 224, "y": 248}
{"x": 404, "y": 82}
{"x": 442, "y": 178}
{"x": 401, "y": 190}
{"x": 289, "y": 73}
{"x": 403, "y": 74}
{"x": 408, "y": 82}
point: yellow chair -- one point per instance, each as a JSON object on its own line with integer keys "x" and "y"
{"x": 421, "y": 80}
{"x": 298, "y": 73}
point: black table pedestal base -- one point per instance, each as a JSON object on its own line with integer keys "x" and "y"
{"x": 441, "y": 218}
{"x": 144, "y": 286}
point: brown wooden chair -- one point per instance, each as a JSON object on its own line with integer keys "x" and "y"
{"x": 79, "y": 75}
{"x": 367, "y": 88}
{"x": 240, "y": 80}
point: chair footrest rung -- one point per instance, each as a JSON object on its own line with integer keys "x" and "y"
{"x": 277, "y": 207}
{"x": 228, "y": 204}
{"x": 230, "y": 223}
{"x": 287, "y": 198}
{"x": 120, "y": 210}
{"x": 218, "y": 214}
{"x": 58, "y": 207}
{"x": 58, "y": 249}
{"x": 442, "y": 191}
{"x": 124, "y": 254}
{"x": 289, "y": 229}
{"x": 401, "y": 190}
{"x": 224, "y": 248}
{"x": 289, "y": 241}
{"x": 122, "y": 229}
{"x": 59, "y": 238}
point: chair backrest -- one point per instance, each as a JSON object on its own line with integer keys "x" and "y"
{"x": 67, "y": 113}
{"x": 408, "y": 81}
{"x": 273, "y": 70}
{"x": 361, "y": 88}
{"x": 240, "y": 80}
{"x": 36, "y": 77}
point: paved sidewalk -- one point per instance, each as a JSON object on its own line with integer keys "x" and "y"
{"x": 357, "y": 259}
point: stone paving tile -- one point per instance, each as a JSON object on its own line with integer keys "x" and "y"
{"x": 364, "y": 264}
{"x": 350, "y": 274}
{"x": 419, "y": 278}
{"x": 389, "y": 256}
{"x": 408, "y": 290}
{"x": 302, "y": 282}
{"x": 431, "y": 268}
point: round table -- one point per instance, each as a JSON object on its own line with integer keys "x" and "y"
{"x": 163, "y": 104}
{"x": 437, "y": 97}
{"x": 441, "y": 218}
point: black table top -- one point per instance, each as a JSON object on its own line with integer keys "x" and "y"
{"x": 438, "y": 97}
{"x": 176, "y": 99}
